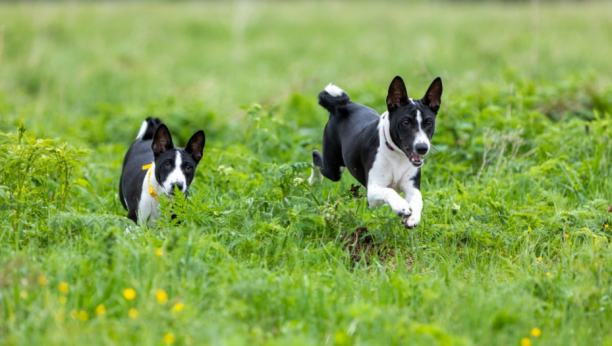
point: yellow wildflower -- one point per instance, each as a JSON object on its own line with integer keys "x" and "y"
{"x": 536, "y": 332}
{"x": 133, "y": 313}
{"x": 42, "y": 281}
{"x": 100, "y": 309}
{"x": 63, "y": 287}
{"x": 539, "y": 258}
{"x": 23, "y": 294}
{"x": 566, "y": 235}
{"x": 548, "y": 274}
{"x": 162, "y": 296}
{"x": 178, "y": 307}
{"x": 606, "y": 226}
{"x": 525, "y": 342}
{"x": 83, "y": 316}
{"x": 62, "y": 300}
{"x": 73, "y": 313}
{"x": 129, "y": 293}
{"x": 159, "y": 252}
{"x": 169, "y": 338}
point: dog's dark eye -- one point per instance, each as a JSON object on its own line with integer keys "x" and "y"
{"x": 167, "y": 164}
{"x": 188, "y": 168}
{"x": 429, "y": 123}
{"x": 405, "y": 122}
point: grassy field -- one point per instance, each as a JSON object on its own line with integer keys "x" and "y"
{"x": 514, "y": 247}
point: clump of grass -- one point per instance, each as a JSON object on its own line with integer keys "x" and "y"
{"x": 36, "y": 180}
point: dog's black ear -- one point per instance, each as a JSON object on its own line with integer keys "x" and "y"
{"x": 162, "y": 140}
{"x": 397, "y": 95}
{"x": 195, "y": 146}
{"x": 433, "y": 96}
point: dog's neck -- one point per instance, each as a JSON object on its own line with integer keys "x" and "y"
{"x": 384, "y": 135}
{"x": 151, "y": 182}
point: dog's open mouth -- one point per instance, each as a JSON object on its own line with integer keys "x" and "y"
{"x": 416, "y": 160}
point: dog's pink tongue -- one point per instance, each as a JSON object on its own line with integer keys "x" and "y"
{"x": 417, "y": 157}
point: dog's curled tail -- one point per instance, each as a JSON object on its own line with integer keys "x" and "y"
{"x": 333, "y": 99}
{"x": 148, "y": 127}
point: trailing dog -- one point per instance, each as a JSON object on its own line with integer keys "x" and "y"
{"x": 384, "y": 153}
{"x": 154, "y": 166}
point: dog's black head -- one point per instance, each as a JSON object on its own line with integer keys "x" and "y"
{"x": 412, "y": 122}
{"x": 176, "y": 166}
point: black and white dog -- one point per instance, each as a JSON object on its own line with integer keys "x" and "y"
{"x": 384, "y": 153}
{"x": 153, "y": 166}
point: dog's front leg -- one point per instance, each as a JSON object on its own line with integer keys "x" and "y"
{"x": 378, "y": 195}
{"x": 412, "y": 190}
{"x": 415, "y": 200}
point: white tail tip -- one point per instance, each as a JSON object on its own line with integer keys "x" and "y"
{"x": 143, "y": 129}
{"x": 334, "y": 90}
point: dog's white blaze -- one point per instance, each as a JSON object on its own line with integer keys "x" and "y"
{"x": 175, "y": 176}
{"x": 334, "y": 90}
{"x": 148, "y": 206}
{"x": 421, "y": 136}
{"x": 143, "y": 129}
{"x": 391, "y": 173}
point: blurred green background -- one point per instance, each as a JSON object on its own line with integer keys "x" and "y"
{"x": 66, "y": 62}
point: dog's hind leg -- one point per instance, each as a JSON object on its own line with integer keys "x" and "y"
{"x": 315, "y": 176}
{"x": 330, "y": 164}
{"x": 317, "y": 163}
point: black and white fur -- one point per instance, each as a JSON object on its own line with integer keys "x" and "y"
{"x": 171, "y": 167}
{"x": 384, "y": 153}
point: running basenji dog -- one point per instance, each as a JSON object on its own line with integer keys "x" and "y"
{"x": 154, "y": 166}
{"x": 383, "y": 152}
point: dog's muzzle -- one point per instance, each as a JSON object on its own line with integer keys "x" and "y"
{"x": 416, "y": 156}
{"x": 416, "y": 160}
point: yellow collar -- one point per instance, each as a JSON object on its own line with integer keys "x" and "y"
{"x": 152, "y": 191}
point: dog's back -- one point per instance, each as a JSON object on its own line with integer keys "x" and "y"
{"x": 350, "y": 134}
{"x": 346, "y": 116}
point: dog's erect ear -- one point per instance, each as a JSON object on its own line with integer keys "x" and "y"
{"x": 433, "y": 96}
{"x": 195, "y": 146}
{"x": 162, "y": 140}
{"x": 397, "y": 94}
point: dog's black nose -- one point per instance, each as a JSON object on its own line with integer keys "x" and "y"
{"x": 178, "y": 184}
{"x": 421, "y": 148}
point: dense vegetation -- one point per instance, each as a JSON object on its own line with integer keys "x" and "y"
{"x": 514, "y": 247}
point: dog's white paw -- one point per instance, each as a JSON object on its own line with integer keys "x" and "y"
{"x": 402, "y": 209}
{"x": 412, "y": 221}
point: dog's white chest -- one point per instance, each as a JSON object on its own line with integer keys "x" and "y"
{"x": 391, "y": 170}
{"x": 148, "y": 205}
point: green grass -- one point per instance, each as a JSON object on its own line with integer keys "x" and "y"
{"x": 520, "y": 171}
